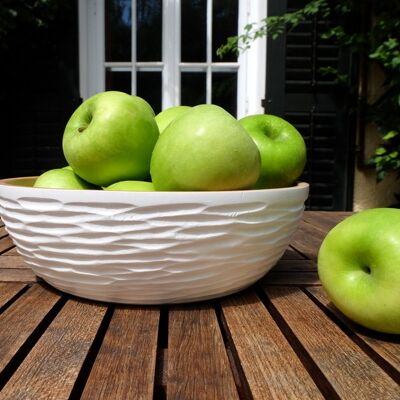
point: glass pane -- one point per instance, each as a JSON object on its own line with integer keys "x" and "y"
{"x": 118, "y": 23}
{"x": 224, "y": 91}
{"x": 193, "y": 88}
{"x": 225, "y": 24}
{"x": 193, "y": 30}
{"x": 118, "y": 80}
{"x": 149, "y": 26}
{"x": 149, "y": 88}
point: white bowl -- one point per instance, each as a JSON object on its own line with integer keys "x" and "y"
{"x": 150, "y": 247}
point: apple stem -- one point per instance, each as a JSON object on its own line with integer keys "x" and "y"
{"x": 367, "y": 269}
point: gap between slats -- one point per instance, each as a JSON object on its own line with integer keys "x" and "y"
{"x": 30, "y": 342}
{"x": 241, "y": 383}
{"x": 87, "y": 365}
{"x": 6, "y": 244}
{"x": 17, "y": 291}
{"x": 356, "y": 354}
{"x": 365, "y": 347}
{"x": 160, "y": 381}
{"x": 309, "y": 364}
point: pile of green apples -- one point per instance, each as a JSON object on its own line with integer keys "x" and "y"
{"x": 114, "y": 141}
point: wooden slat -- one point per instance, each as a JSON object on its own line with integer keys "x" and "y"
{"x": 6, "y": 244}
{"x": 15, "y": 262}
{"x": 295, "y": 266}
{"x": 305, "y": 278}
{"x": 11, "y": 252}
{"x": 307, "y": 240}
{"x": 352, "y": 374}
{"x": 125, "y": 365}
{"x": 198, "y": 366}
{"x": 14, "y": 269}
{"x": 269, "y": 363}
{"x": 387, "y": 346}
{"x": 3, "y": 232}
{"x": 51, "y": 368}
{"x": 17, "y": 275}
{"x": 8, "y": 291}
{"x": 291, "y": 254}
{"x": 19, "y": 320}
{"x": 325, "y": 220}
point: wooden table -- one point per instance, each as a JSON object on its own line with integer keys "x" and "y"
{"x": 280, "y": 339}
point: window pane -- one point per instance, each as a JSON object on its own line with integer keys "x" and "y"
{"x": 193, "y": 30}
{"x": 118, "y": 24}
{"x": 149, "y": 27}
{"x": 225, "y": 24}
{"x": 118, "y": 80}
{"x": 149, "y": 88}
{"x": 193, "y": 88}
{"x": 224, "y": 90}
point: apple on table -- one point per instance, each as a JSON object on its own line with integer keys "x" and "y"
{"x": 282, "y": 149}
{"x": 359, "y": 268}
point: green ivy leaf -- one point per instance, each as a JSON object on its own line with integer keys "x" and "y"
{"x": 390, "y": 135}
{"x": 380, "y": 151}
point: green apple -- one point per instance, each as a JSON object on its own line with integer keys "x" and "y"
{"x": 110, "y": 138}
{"x": 61, "y": 178}
{"x": 359, "y": 267}
{"x": 165, "y": 117}
{"x": 205, "y": 149}
{"x": 282, "y": 149}
{"x": 134, "y": 186}
{"x": 145, "y": 105}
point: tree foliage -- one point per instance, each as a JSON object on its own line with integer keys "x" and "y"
{"x": 29, "y": 14}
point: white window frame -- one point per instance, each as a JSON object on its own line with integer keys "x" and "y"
{"x": 251, "y": 65}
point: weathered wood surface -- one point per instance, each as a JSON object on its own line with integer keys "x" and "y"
{"x": 280, "y": 339}
{"x": 125, "y": 364}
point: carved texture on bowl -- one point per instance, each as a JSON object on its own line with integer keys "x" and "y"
{"x": 122, "y": 252}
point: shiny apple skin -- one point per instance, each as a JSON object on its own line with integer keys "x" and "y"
{"x": 110, "y": 138}
{"x": 359, "y": 267}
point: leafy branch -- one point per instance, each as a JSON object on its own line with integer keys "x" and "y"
{"x": 377, "y": 42}
{"x": 273, "y": 26}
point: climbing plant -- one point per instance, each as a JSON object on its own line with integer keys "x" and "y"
{"x": 370, "y": 28}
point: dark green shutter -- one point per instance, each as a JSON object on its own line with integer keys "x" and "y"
{"x": 315, "y": 104}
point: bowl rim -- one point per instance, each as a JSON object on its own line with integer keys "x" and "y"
{"x": 300, "y": 185}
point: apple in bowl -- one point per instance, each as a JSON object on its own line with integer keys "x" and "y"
{"x": 205, "y": 149}
{"x": 282, "y": 149}
{"x": 110, "y": 137}
{"x": 62, "y": 178}
{"x": 165, "y": 117}
{"x": 131, "y": 186}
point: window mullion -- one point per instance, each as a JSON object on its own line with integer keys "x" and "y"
{"x": 96, "y": 75}
{"x": 100, "y": 48}
{"x": 170, "y": 53}
{"x": 177, "y": 59}
{"x": 134, "y": 47}
{"x": 252, "y": 63}
{"x": 209, "y": 52}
